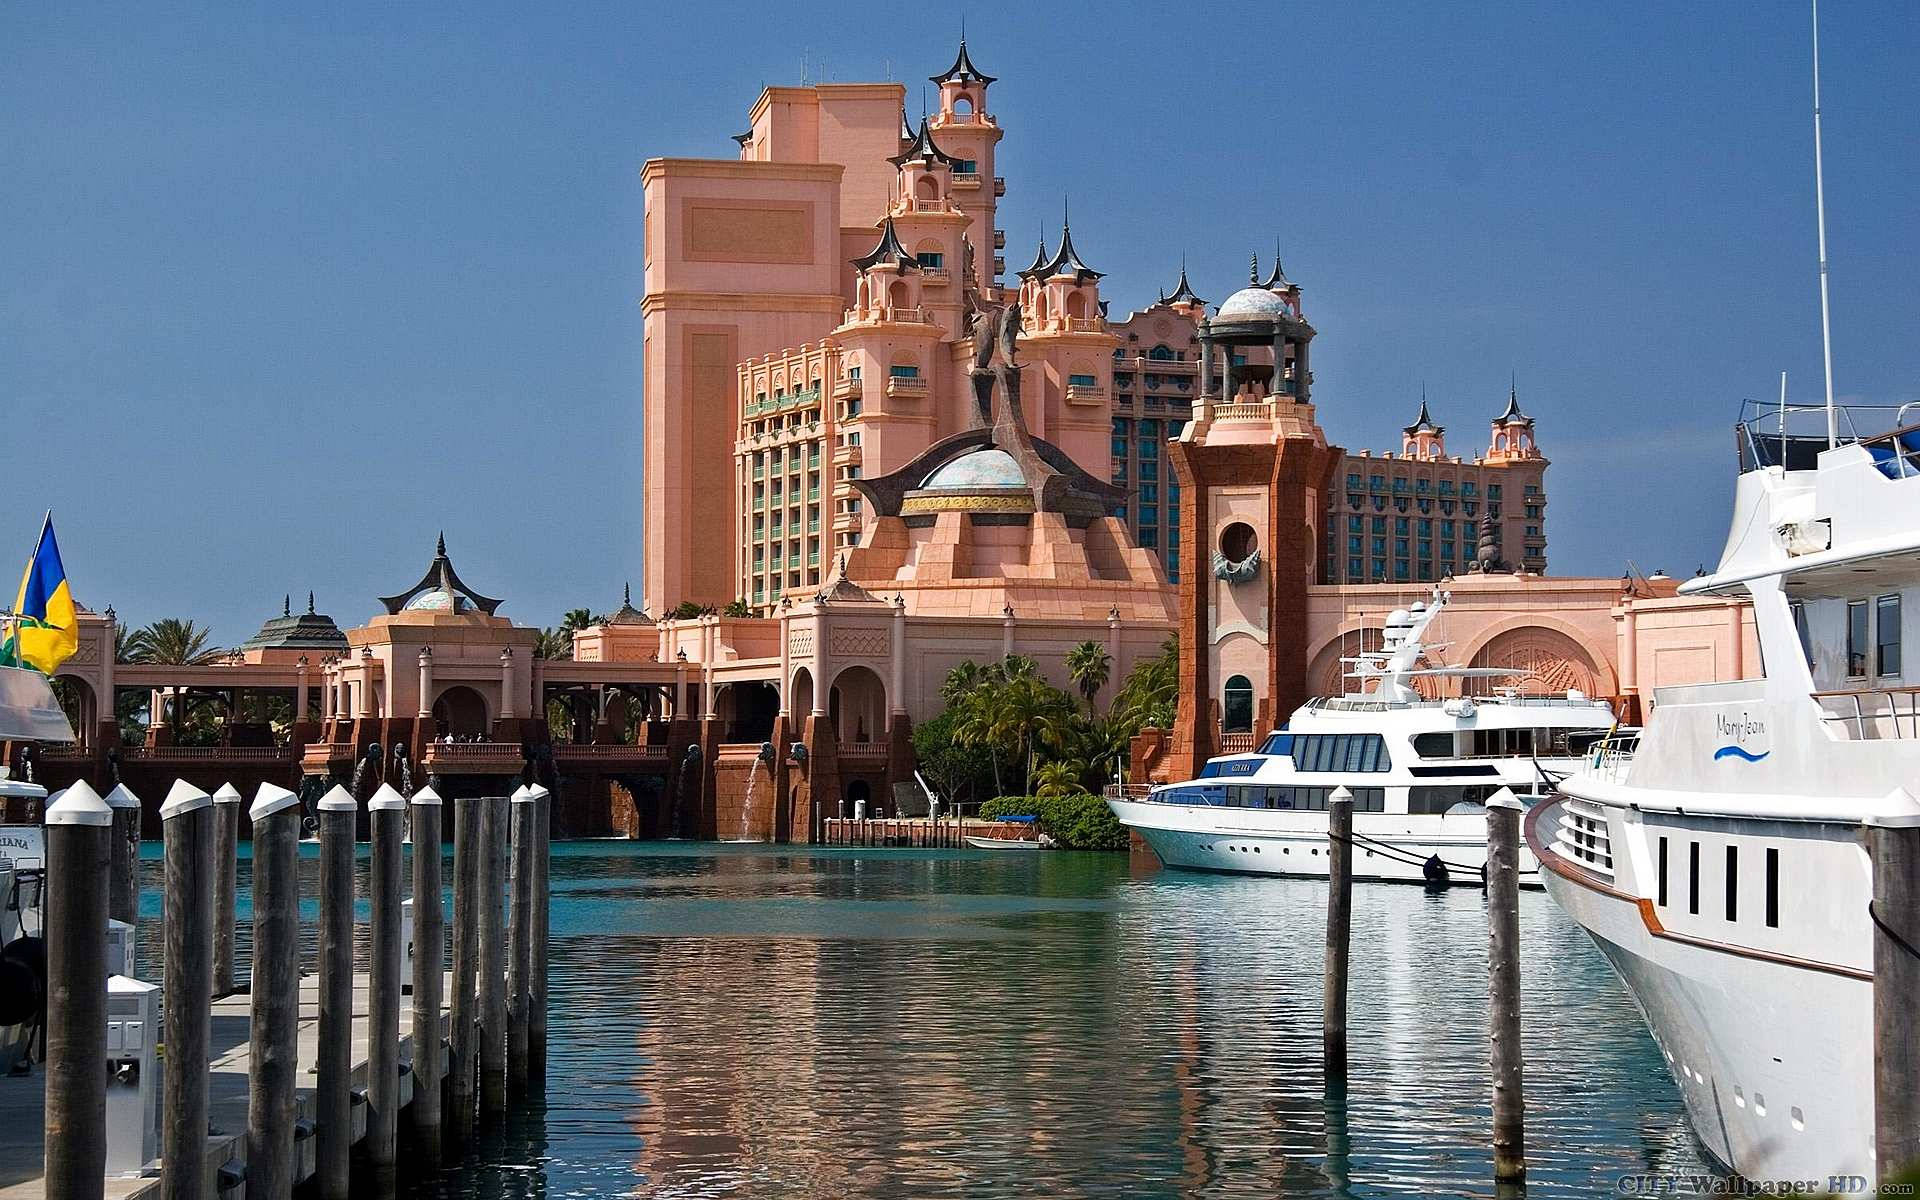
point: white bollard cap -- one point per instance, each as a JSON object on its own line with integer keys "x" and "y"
{"x": 122, "y": 797}
{"x": 338, "y": 799}
{"x": 1340, "y": 795}
{"x": 426, "y": 795}
{"x": 228, "y": 794}
{"x": 79, "y": 805}
{"x": 183, "y": 798}
{"x": 520, "y": 795}
{"x": 1504, "y": 798}
{"x": 386, "y": 800}
{"x": 537, "y": 792}
{"x": 269, "y": 800}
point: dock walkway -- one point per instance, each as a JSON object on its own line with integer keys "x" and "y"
{"x": 22, "y": 1097}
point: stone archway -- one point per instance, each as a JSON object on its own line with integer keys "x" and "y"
{"x": 859, "y": 705}
{"x": 802, "y": 706}
{"x": 1544, "y": 661}
{"x": 78, "y": 700}
{"x": 461, "y": 711}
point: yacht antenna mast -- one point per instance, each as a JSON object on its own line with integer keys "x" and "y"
{"x": 1820, "y": 208}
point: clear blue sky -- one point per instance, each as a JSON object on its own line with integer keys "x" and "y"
{"x": 286, "y": 290}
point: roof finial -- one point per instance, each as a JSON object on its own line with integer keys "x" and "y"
{"x": 309, "y": 600}
{"x": 440, "y": 547}
{"x": 1065, "y": 224}
{"x": 286, "y": 605}
{"x": 1253, "y": 269}
{"x": 626, "y": 593}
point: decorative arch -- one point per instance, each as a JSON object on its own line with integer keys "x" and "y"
{"x": 462, "y": 711}
{"x": 79, "y": 701}
{"x": 1236, "y": 705}
{"x": 1552, "y": 654}
{"x": 899, "y": 295}
{"x": 800, "y": 689}
{"x": 858, "y": 704}
{"x": 926, "y": 188}
{"x": 1076, "y": 305}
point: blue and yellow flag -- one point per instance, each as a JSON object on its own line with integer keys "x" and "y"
{"x": 47, "y": 628}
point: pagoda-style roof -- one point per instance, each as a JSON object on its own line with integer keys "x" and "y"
{"x": 439, "y": 590}
{"x": 962, "y": 70}
{"x": 1423, "y": 423}
{"x": 922, "y": 147}
{"x": 628, "y": 614}
{"x": 1513, "y": 415}
{"x": 1276, "y": 280}
{"x": 743, "y": 138}
{"x": 1039, "y": 263}
{"x": 307, "y": 631}
{"x": 1183, "y": 293}
{"x": 1066, "y": 261}
{"x": 889, "y": 250}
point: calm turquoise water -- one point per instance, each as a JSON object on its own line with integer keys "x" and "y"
{"x": 734, "y": 1021}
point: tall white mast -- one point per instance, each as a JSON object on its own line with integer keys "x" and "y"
{"x": 1820, "y": 207}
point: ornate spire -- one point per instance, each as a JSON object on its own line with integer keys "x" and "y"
{"x": 1513, "y": 415}
{"x": 1276, "y": 279}
{"x": 889, "y": 250}
{"x": 1253, "y": 268}
{"x": 309, "y": 599}
{"x": 286, "y": 605}
{"x": 1039, "y": 265}
{"x": 1183, "y": 292}
{"x": 1423, "y": 423}
{"x": 923, "y": 148}
{"x": 1066, "y": 260}
{"x": 962, "y": 70}
{"x": 440, "y": 578}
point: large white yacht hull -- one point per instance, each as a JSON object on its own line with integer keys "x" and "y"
{"x": 1390, "y": 847}
{"x": 1773, "y": 1059}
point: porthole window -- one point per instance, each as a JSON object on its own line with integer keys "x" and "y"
{"x": 1237, "y": 541}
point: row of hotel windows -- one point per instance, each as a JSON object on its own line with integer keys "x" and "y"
{"x": 1732, "y": 882}
{"x": 1160, "y": 353}
{"x": 1445, "y": 487}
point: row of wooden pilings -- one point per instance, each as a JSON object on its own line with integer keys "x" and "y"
{"x": 1503, "y": 963}
{"x": 496, "y": 1054}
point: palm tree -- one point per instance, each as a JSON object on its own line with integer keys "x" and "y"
{"x": 578, "y": 618}
{"x": 1058, "y": 778}
{"x": 1150, "y": 692}
{"x": 1089, "y": 665}
{"x": 129, "y": 644}
{"x": 555, "y": 645}
{"x": 961, "y": 682}
{"x": 175, "y": 642}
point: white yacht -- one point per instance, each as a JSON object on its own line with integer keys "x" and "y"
{"x": 1719, "y": 863}
{"x": 1419, "y": 770}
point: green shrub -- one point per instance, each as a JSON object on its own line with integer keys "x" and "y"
{"x": 1077, "y": 822}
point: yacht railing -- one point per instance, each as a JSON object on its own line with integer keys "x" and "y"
{"x": 1369, "y": 704}
{"x": 1128, "y": 791}
{"x": 1872, "y": 714}
{"x": 1795, "y": 435}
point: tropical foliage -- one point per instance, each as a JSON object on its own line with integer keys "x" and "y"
{"x": 687, "y": 610}
{"x": 553, "y": 644}
{"x": 169, "y": 640}
{"x": 737, "y": 608}
{"x": 1076, "y": 820}
{"x": 1032, "y": 736}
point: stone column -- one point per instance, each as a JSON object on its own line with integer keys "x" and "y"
{"x": 508, "y": 710}
{"x": 822, "y": 661}
{"x": 107, "y": 711}
{"x": 680, "y": 687}
{"x": 1279, "y": 364}
{"x": 1006, "y": 631}
{"x": 897, "y": 685}
{"x": 366, "y": 681}
{"x": 1629, "y": 657}
{"x": 786, "y": 662}
{"x": 329, "y": 698}
{"x": 1206, "y": 363}
{"x": 425, "y": 707}
{"x": 300, "y": 691}
{"x": 1301, "y": 390}
{"x": 1118, "y": 670}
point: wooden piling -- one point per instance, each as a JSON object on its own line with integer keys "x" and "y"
{"x": 1333, "y": 1022}
{"x": 464, "y": 1070}
{"x": 123, "y": 856}
{"x": 186, "y": 820}
{"x": 1503, "y": 977}
{"x": 387, "y": 817}
{"x": 542, "y": 927}
{"x": 333, "y": 1093}
{"x": 79, "y": 825}
{"x": 274, "y": 993}
{"x": 519, "y": 938}
{"x": 226, "y": 866}
{"x": 490, "y": 913}
{"x": 1893, "y": 842}
{"x": 429, "y": 935}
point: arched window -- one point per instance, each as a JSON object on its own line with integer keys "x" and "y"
{"x": 1236, "y": 708}
{"x": 1161, "y": 353}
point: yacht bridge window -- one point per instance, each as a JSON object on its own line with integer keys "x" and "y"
{"x": 1253, "y": 795}
{"x": 1340, "y": 752}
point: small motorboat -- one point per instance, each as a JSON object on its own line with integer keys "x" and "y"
{"x": 1031, "y": 838}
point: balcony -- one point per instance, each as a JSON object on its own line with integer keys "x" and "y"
{"x": 999, "y": 239}
{"x": 936, "y": 275}
{"x": 846, "y": 389}
{"x": 999, "y": 186}
{"x": 1080, "y": 393}
{"x": 967, "y": 180}
{"x": 912, "y": 386}
{"x": 473, "y": 758}
{"x": 999, "y": 265}
{"x": 1251, "y": 410}
{"x": 1084, "y": 325}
